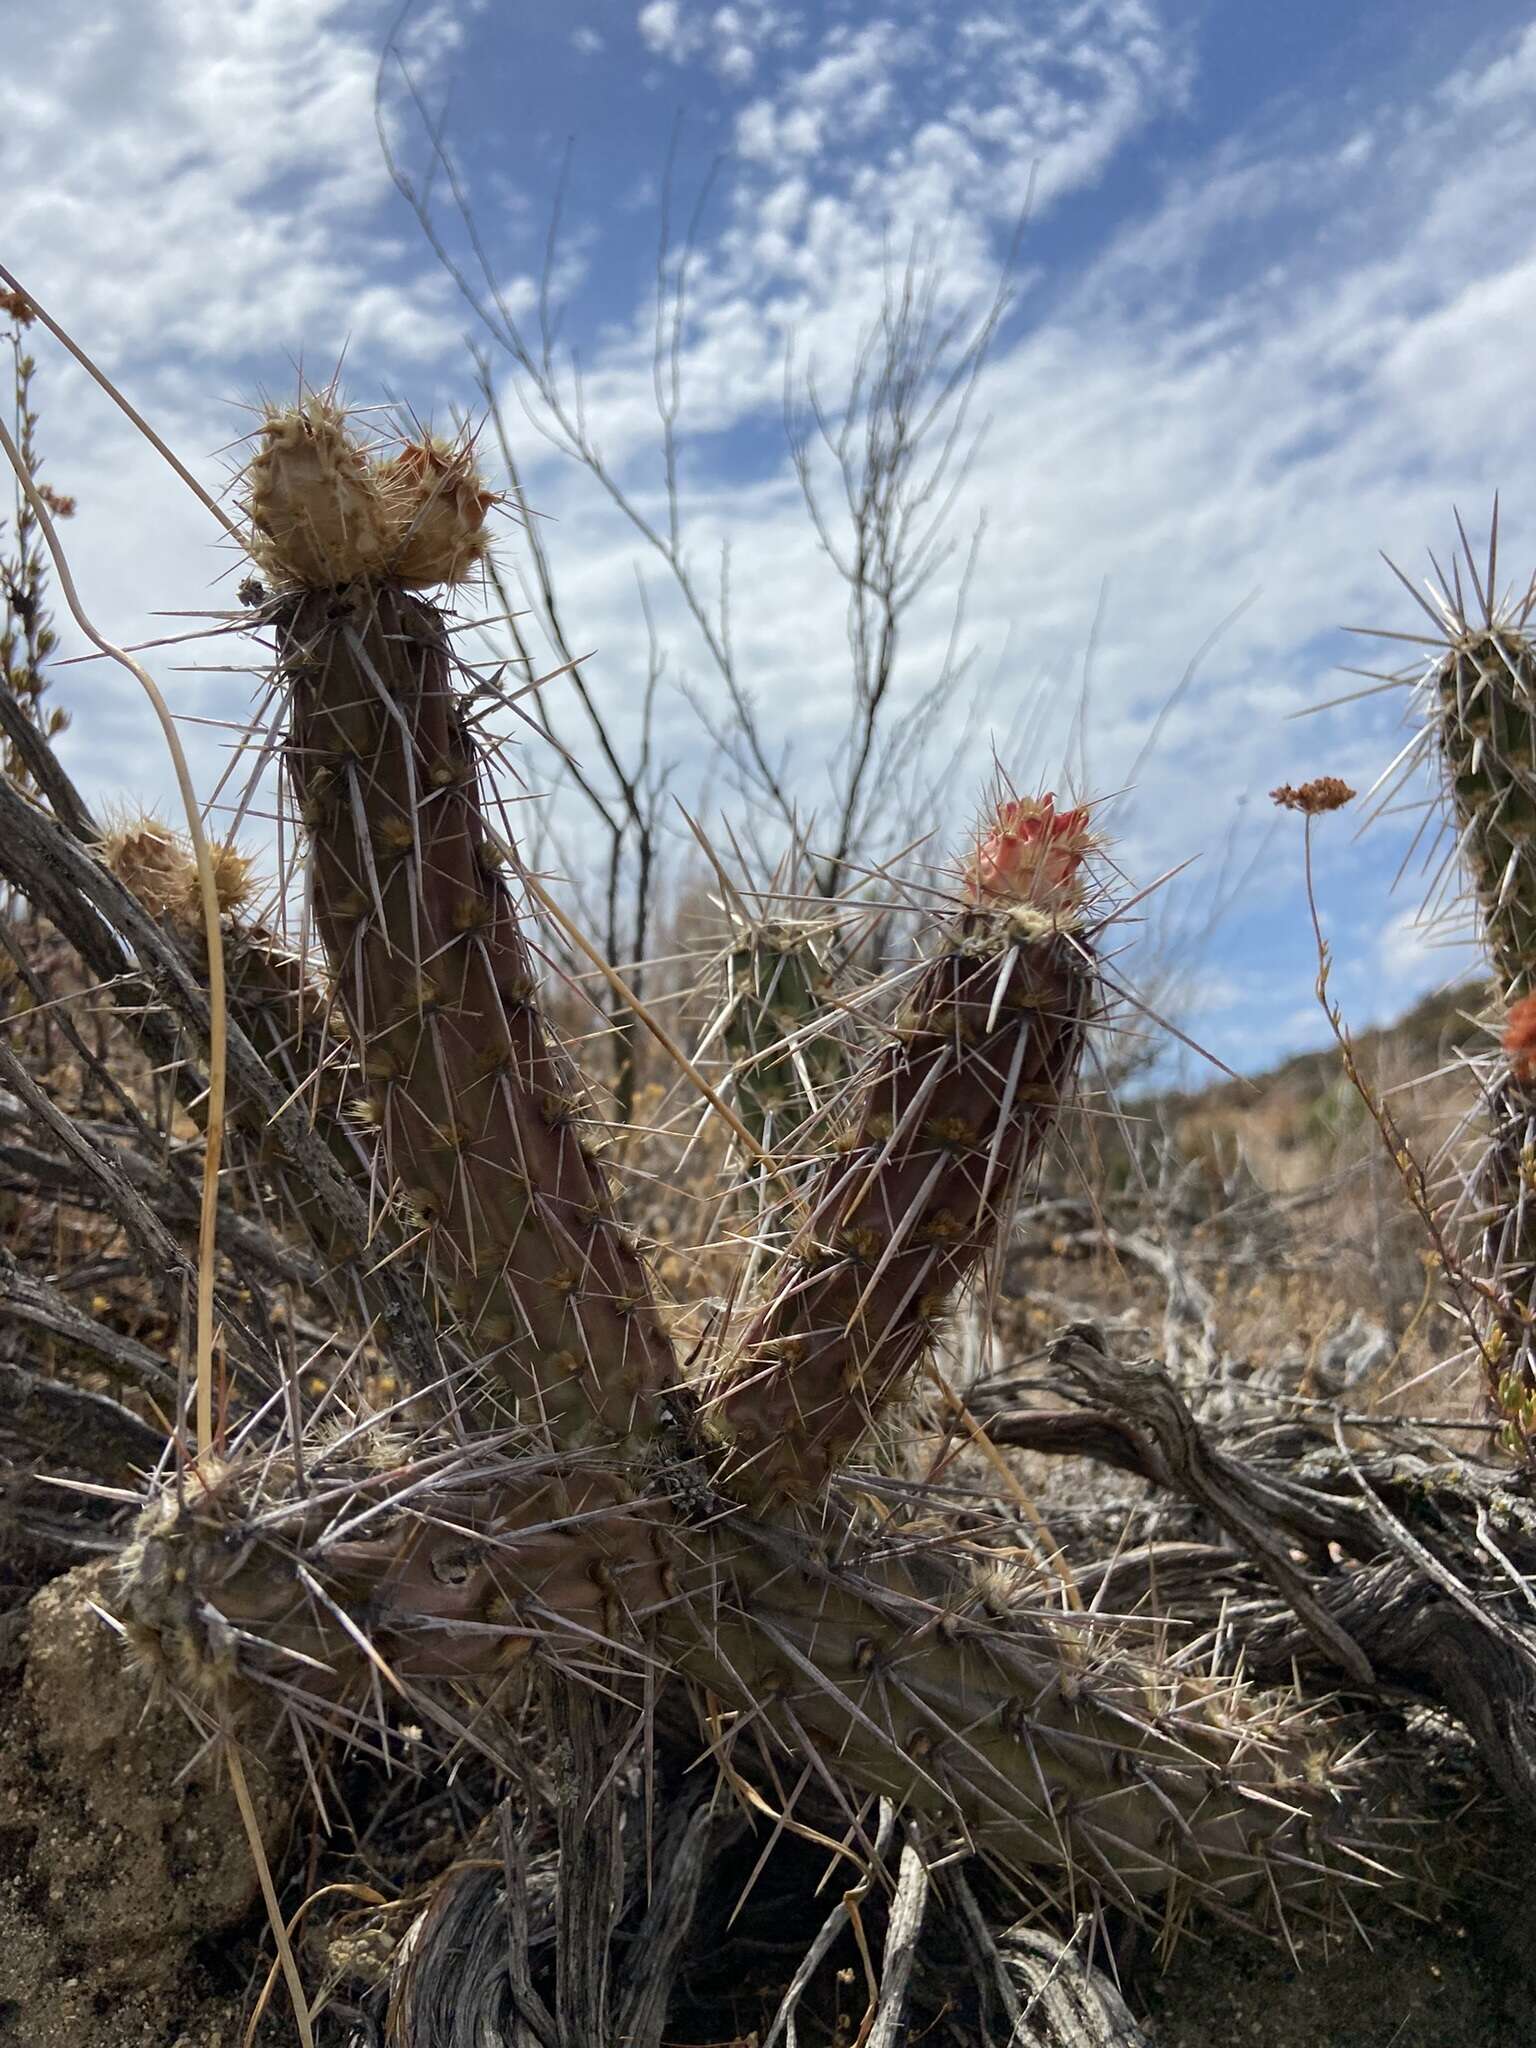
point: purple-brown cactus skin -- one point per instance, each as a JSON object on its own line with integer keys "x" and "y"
{"x": 951, "y": 1114}
{"x": 1057, "y": 1740}
{"x": 480, "y": 1115}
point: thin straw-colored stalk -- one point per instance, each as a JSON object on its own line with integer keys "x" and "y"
{"x": 286, "y": 1957}
{"x": 94, "y": 371}
{"x": 212, "y": 935}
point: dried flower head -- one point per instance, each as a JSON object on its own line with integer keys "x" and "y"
{"x": 1312, "y": 799}
{"x": 439, "y": 503}
{"x": 157, "y": 865}
{"x": 1030, "y": 853}
{"x": 1519, "y": 1040}
{"x": 324, "y": 512}
{"x": 316, "y": 512}
{"x": 18, "y": 307}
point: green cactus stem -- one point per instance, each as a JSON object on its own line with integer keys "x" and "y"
{"x": 1485, "y": 717}
{"x": 1480, "y": 699}
{"x": 551, "y": 1555}
{"x": 787, "y": 1058}
{"x": 1504, "y": 1214}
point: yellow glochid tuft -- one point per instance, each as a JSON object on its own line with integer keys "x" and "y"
{"x": 439, "y": 503}
{"x": 325, "y": 511}
{"x": 157, "y": 866}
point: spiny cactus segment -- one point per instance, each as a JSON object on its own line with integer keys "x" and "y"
{"x": 1479, "y": 699}
{"x": 1061, "y": 1743}
{"x": 948, "y": 1117}
{"x": 788, "y": 1057}
{"x": 540, "y": 1555}
{"x": 283, "y": 1011}
{"x": 480, "y": 1117}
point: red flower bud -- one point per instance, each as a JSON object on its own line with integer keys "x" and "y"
{"x": 1030, "y": 853}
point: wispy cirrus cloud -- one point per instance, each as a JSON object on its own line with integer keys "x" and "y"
{"x": 207, "y": 180}
{"x": 198, "y": 193}
{"x": 923, "y": 115}
{"x": 1178, "y": 427}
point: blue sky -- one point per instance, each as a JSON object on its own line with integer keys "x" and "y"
{"x": 1272, "y": 316}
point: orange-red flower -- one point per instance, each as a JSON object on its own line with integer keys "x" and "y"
{"x": 1520, "y": 1038}
{"x": 1030, "y": 853}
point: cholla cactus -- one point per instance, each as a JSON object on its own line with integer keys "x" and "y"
{"x": 780, "y": 1026}
{"x": 1059, "y": 1741}
{"x": 480, "y": 1116}
{"x": 620, "y": 1517}
{"x": 1478, "y": 706}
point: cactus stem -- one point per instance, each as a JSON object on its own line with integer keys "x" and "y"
{"x": 949, "y": 1116}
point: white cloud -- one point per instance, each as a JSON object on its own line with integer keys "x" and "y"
{"x": 1507, "y": 81}
{"x": 660, "y": 23}
{"x": 732, "y": 37}
{"x": 588, "y": 41}
{"x": 1187, "y": 425}
{"x": 912, "y": 127}
{"x": 201, "y": 178}
{"x": 1415, "y": 951}
{"x": 736, "y": 58}
{"x": 197, "y": 193}
{"x": 1299, "y": 350}
{"x": 851, "y": 88}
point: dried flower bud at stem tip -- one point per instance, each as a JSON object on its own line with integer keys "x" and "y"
{"x": 1519, "y": 1039}
{"x": 1323, "y": 793}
